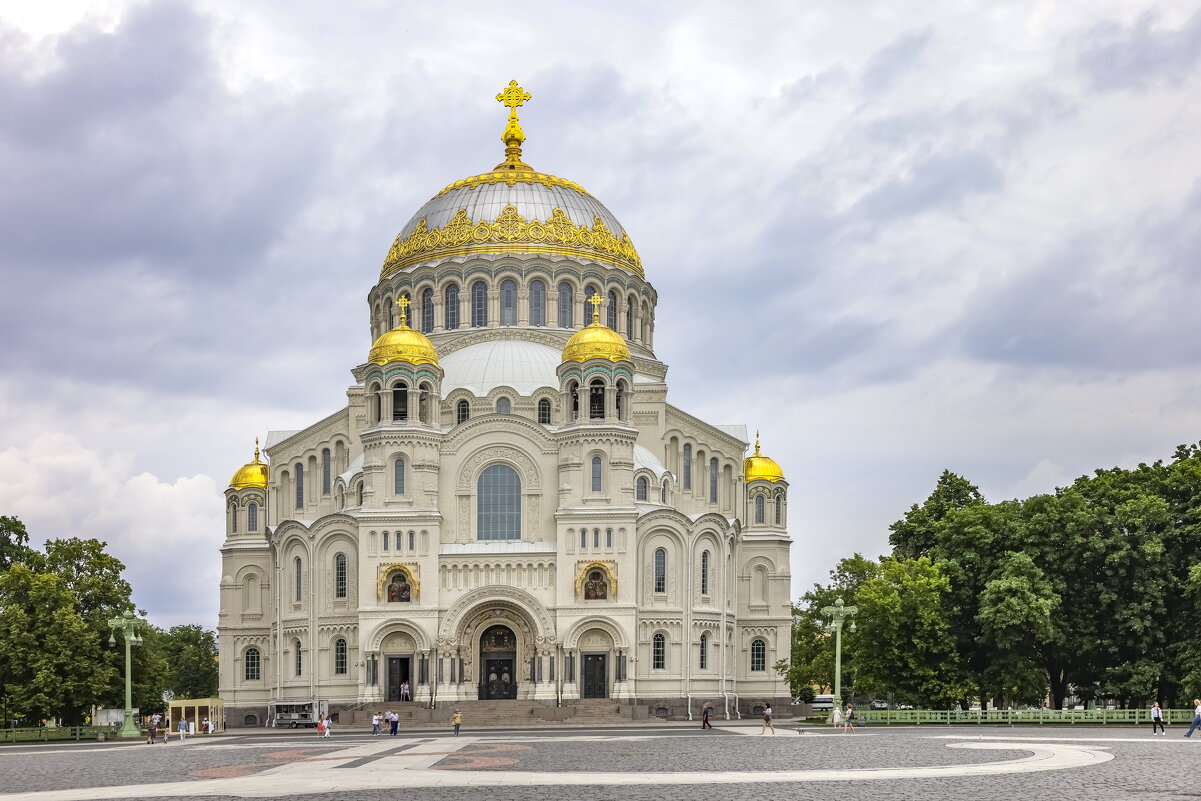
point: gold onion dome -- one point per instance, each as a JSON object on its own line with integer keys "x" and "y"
{"x": 403, "y": 344}
{"x": 252, "y": 474}
{"x": 513, "y": 209}
{"x": 596, "y": 341}
{"x": 760, "y": 467}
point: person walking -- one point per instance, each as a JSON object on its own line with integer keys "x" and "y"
{"x": 848, "y": 720}
{"x": 767, "y": 720}
{"x": 183, "y": 728}
{"x": 375, "y": 725}
{"x": 166, "y": 729}
{"x": 1196, "y": 717}
{"x": 457, "y": 720}
{"x": 329, "y": 726}
{"x": 836, "y": 717}
{"x": 394, "y": 720}
{"x": 1157, "y": 720}
{"x": 705, "y": 724}
{"x": 152, "y": 729}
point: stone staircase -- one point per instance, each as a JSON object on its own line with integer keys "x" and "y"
{"x": 494, "y": 714}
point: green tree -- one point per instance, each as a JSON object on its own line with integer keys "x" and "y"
{"x": 14, "y": 542}
{"x": 916, "y": 533}
{"x": 191, "y": 653}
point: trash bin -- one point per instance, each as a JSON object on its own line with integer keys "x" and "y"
{"x": 100, "y": 737}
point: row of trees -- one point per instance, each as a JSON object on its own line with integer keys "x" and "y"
{"x": 1093, "y": 591}
{"x": 55, "y": 660}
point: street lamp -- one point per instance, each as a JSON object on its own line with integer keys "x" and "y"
{"x": 837, "y": 614}
{"x": 127, "y": 624}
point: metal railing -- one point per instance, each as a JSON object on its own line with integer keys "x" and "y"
{"x": 1019, "y": 717}
{"x": 54, "y": 733}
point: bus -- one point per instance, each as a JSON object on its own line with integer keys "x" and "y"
{"x": 294, "y": 714}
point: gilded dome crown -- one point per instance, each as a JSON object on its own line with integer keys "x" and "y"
{"x": 403, "y": 344}
{"x": 760, "y": 467}
{"x": 251, "y": 474}
{"x": 596, "y": 341}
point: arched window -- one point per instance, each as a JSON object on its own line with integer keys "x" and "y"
{"x": 398, "y": 477}
{"x": 233, "y": 517}
{"x": 659, "y": 652}
{"x": 386, "y": 541}
{"x": 544, "y": 411}
{"x": 687, "y": 467}
{"x": 427, "y": 311}
{"x": 479, "y": 304}
{"x": 596, "y": 474}
{"x": 299, "y": 656}
{"x": 504, "y": 406}
{"x": 360, "y": 495}
{"x": 660, "y": 570}
{"x": 299, "y": 485}
{"x": 298, "y": 571}
{"x": 462, "y": 411}
{"x": 583, "y": 538}
{"x": 619, "y": 400}
{"x": 608, "y": 538}
{"x": 411, "y": 537}
{"x": 498, "y": 495}
{"x": 663, "y": 494}
{"x": 704, "y": 572}
{"x": 596, "y": 400}
{"x": 573, "y": 392}
{"x": 451, "y": 304}
{"x": 703, "y": 662}
{"x": 779, "y": 507}
{"x": 566, "y": 306}
{"x": 340, "y": 657}
{"x": 252, "y": 665}
{"x": 326, "y": 470}
{"x": 589, "y": 292}
{"x": 252, "y": 516}
{"x": 508, "y": 302}
{"x": 596, "y": 538}
{"x": 376, "y": 403}
{"x": 537, "y": 303}
{"x": 640, "y": 488}
{"x": 611, "y": 311}
{"x": 390, "y": 305}
{"x": 758, "y": 655}
{"x": 340, "y": 575}
{"x": 400, "y": 402}
{"x": 423, "y": 403}
{"x": 759, "y": 514}
{"x": 713, "y": 480}
{"x": 630, "y": 318}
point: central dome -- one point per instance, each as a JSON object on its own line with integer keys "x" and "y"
{"x": 513, "y": 209}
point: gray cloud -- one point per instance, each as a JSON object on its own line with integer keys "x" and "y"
{"x": 1113, "y": 57}
{"x": 888, "y": 64}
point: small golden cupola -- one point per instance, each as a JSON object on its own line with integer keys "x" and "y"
{"x": 403, "y": 344}
{"x": 760, "y": 467}
{"x": 596, "y": 341}
{"x": 252, "y": 474}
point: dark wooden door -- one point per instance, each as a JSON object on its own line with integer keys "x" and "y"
{"x": 596, "y": 684}
{"x": 398, "y": 672}
{"x": 499, "y": 679}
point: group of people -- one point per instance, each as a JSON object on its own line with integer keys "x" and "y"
{"x": 157, "y": 722}
{"x": 388, "y": 718}
{"x": 325, "y": 726}
{"x": 845, "y": 719}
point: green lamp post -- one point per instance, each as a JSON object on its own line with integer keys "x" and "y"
{"x": 127, "y": 624}
{"x": 838, "y": 613}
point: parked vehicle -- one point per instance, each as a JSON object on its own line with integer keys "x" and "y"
{"x": 878, "y": 704}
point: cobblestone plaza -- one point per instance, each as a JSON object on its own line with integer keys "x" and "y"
{"x": 733, "y": 762}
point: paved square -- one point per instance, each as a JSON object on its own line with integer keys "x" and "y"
{"x": 672, "y": 762}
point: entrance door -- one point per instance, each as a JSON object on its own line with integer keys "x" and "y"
{"x": 498, "y": 680}
{"x": 596, "y": 683}
{"x": 498, "y": 656}
{"x": 398, "y": 673}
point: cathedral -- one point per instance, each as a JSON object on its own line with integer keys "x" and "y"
{"x": 507, "y": 506}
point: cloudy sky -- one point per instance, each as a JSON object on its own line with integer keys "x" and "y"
{"x": 897, "y": 237}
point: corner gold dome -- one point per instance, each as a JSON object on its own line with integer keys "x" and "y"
{"x": 252, "y": 474}
{"x": 403, "y": 344}
{"x": 761, "y": 468}
{"x": 596, "y": 341}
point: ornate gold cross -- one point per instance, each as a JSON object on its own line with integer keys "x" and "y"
{"x": 404, "y": 303}
{"x": 512, "y": 97}
{"x": 596, "y": 301}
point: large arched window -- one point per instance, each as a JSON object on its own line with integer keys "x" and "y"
{"x": 544, "y": 411}
{"x": 233, "y": 517}
{"x": 252, "y": 516}
{"x": 537, "y": 303}
{"x": 451, "y": 307}
{"x": 687, "y": 467}
{"x": 299, "y": 660}
{"x": 299, "y": 485}
{"x": 252, "y": 665}
{"x": 462, "y": 411}
{"x": 660, "y": 570}
{"x": 498, "y": 495}
{"x": 504, "y": 406}
{"x": 758, "y": 655}
{"x": 659, "y": 652}
{"x": 703, "y": 662}
{"x": 326, "y": 472}
{"x": 340, "y": 657}
{"x": 340, "y": 575}
{"x": 704, "y": 572}
{"x": 398, "y": 477}
{"x": 400, "y": 402}
{"x": 596, "y": 400}
{"x": 596, "y": 474}
{"x": 779, "y": 504}
{"x": 479, "y": 304}
{"x": 611, "y": 311}
{"x": 759, "y": 508}
{"x": 640, "y": 488}
{"x": 713, "y": 480}
{"x": 427, "y": 311}
{"x": 508, "y": 302}
{"x": 566, "y": 306}
{"x": 630, "y": 318}
{"x": 298, "y": 577}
